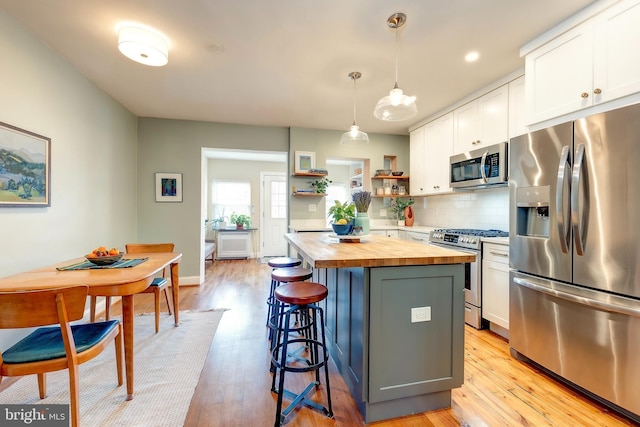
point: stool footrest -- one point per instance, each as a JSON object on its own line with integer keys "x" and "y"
{"x": 301, "y": 398}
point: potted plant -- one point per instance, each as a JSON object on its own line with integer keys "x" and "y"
{"x": 362, "y": 200}
{"x": 240, "y": 220}
{"x": 342, "y": 215}
{"x": 399, "y": 205}
{"x": 320, "y": 185}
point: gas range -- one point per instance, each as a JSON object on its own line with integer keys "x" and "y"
{"x": 468, "y": 238}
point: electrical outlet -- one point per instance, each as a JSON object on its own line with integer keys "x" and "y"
{"x": 383, "y": 212}
{"x": 312, "y": 207}
{"x": 420, "y": 314}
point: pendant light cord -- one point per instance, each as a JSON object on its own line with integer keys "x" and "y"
{"x": 396, "y": 85}
{"x": 354, "y": 101}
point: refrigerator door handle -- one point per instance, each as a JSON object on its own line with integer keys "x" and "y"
{"x": 483, "y": 161}
{"x": 600, "y": 305}
{"x": 579, "y": 222}
{"x": 563, "y": 228}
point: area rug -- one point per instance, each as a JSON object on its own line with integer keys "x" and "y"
{"x": 167, "y": 369}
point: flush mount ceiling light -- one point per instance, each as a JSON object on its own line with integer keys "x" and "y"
{"x": 354, "y": 135}
{"x": 396, "y": 106}
{"x": 143, "y": 45}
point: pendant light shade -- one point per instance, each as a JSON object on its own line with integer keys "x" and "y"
{"x": 143, "y": 45}
{"x": 396, "y": 106}
{"x": 354, "y": 136}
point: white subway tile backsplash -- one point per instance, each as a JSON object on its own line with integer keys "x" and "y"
{"x": 486, "y": 209}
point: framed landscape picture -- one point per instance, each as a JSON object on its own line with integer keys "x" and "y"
{"x": 25, "y": 168}
{"x": 168, "y": 187}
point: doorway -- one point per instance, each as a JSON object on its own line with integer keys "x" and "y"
{"x": 273, "y": 200}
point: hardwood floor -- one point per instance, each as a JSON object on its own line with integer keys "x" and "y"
{"x": 234, "y": 387}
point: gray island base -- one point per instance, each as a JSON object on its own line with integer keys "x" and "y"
{"x": 394, "y": 324}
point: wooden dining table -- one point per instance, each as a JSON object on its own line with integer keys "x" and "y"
{"x": 122, "y": 282}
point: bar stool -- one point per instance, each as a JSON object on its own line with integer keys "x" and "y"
{"x": 274, "y": 263}
{"x": 291, "y": 298}
{"x": 278, "y": 277}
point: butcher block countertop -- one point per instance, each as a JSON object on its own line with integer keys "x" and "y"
{"x": 323, "y": 251}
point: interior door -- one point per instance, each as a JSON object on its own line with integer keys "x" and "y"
{"x": 274, "y": 214}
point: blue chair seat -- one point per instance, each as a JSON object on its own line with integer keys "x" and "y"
{"x": 158, "y": 281}
{"x": 46, "y": 343}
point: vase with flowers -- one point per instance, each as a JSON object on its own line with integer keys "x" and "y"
{"x": 362, "y": 200}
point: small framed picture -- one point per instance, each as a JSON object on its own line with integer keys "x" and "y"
{"x": 168, "y": 187}
{"x": 304, "y": 161}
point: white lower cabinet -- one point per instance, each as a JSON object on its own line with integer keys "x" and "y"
{"x": 495, "y": 284}
{"x": 386, "y": 233}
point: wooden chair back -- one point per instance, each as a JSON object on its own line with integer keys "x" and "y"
{"x": 29, "y": 309}
{"x": 136, "y": 248}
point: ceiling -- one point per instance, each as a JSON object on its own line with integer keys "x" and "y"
{"x": 285, "y": 62}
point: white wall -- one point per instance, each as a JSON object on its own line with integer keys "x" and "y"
{"x": 93, "y": 157}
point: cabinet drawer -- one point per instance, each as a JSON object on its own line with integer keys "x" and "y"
{"x": 417, "y": 237}
{"x": 496, "y": 253}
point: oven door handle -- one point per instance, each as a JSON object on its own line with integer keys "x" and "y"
{"x": 600, "y": 305}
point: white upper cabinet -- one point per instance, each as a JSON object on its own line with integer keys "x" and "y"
{"x": 592, "y": 63}
{"x": 517, "y": 108}
{"x": 416, "y": 162}
{"x": 482, "y": 122}
{"x": 431, "y": 146}
{"x": 438, "y": 149}
{"x": 617, "y": 63}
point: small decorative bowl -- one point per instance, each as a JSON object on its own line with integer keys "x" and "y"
{"x": 342, "y": 229}
{"x": 105, "y": 260}
{"x": 397, "y": 173}
{"x": 383, "y": 172}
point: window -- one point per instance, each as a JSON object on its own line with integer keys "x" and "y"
{"x": 230, "y": 196}
{"x": 279, "y": 199}
{"x": 335, "y": 191}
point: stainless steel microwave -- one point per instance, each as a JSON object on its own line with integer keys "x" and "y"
{"x": 480, "y": 168}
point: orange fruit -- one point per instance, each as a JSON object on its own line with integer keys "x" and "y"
{"x": 91, "y": 255}
{"x": 114, "y": 251}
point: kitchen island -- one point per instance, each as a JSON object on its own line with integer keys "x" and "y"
{"x": 394, "y": 319}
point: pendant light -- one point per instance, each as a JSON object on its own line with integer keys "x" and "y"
{"x": 396, "y": 106}
{"x": 354, "y": 135}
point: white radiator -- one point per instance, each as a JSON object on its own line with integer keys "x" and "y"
{"x": 234, "y": 244}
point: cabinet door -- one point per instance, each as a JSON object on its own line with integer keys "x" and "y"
{"x": 559, "y": 75}
{"x": 493, "y": 117}
{"x": 465, "y": 131}
{"x": 616, "y": 66}
{"x": 416, "y": 162}
{"x": 517, "y": 106}
{"x": 438, "y": 150}
{"x": 495, "y": 284}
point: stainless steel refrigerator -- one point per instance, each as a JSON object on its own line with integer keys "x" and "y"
{"x": 574, "y": 251}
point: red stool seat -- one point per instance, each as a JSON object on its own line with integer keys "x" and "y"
{"x": 291, "y": 274}
{"x": 301, "y": 293}
{"x": 282, "y": 262}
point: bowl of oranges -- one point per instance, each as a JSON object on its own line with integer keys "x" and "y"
{"x": 104, "y": 256}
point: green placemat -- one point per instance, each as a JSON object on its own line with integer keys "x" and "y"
{"x": 88, "y": 265}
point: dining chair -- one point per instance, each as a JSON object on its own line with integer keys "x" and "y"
{"x": 158, "y": 285}
{"x": 54, "y": 348}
